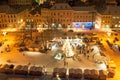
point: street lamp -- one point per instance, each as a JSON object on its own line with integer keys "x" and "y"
{"x": 4, "y": 33}
{"x": 93, "y": 17}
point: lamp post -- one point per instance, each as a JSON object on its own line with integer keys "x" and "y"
{"x": 93, "y": 17}
{"x": 28, "y": 29}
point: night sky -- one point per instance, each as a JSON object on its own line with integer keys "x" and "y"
{"x": 71, "y": 2}
{"x": 3, "y": 1}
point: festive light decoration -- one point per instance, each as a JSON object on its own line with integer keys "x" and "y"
{"x": 40, "y": 1}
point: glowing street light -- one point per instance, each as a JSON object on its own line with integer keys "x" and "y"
{"x": 4, "y": 33}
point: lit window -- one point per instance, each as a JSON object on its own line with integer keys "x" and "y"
{"x": 113, "y": 17}
{"x": 116, "y": 25}
{"x": 117, "y": 17}
{"x": 119, "y": 26}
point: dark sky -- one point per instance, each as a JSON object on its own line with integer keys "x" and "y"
{"x": 3, "y": 1}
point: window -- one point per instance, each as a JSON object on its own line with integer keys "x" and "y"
{"x": 5, "y": 20}
{"x": 61, "y": 7}
{"x": 51, "y": 13}
{"x": 54, "y": 14}
{"x": 11, "y": 20}
{"x": 65, "y": 6}
{"x": 58, "y": 13}
{"x": 11, "y": 16}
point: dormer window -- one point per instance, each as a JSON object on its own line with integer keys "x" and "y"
{"x": 61, "y": 7}
{"x": 65, "y": 6}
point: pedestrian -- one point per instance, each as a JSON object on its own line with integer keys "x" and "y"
{"x": 93, "y": 56}
{"x": 67, "y": 64}
{"x": 29, "y": 63}
{"x": 23, "y": 54}
{"x": 84, "y": 54}
{"x": 44, "y": 70}
{"x": 1, "y": 51}
{"x": 64, "y": 63}
{"x": 88, "y": 56}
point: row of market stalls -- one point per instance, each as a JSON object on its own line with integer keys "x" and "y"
{"x": 21, "y": 69}
{"x": 89, "y": 74}
{"x": 57, "y": 72}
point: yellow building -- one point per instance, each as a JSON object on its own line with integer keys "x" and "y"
{"x": 3, "y": 20}
{"x": 85, "y": 17}
{"x": 60, "y": 16}
{"x": 106, "y": 20}
{"x": 8, "y": 16}
{"x": 111, "y": 17}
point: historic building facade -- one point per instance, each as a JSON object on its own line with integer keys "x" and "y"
{"x": 61, "y": 16}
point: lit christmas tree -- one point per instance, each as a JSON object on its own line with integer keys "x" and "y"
{"x": 40, "y": 1}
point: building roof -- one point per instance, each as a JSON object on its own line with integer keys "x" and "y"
{"x": 35, "y": 10}
{"x": 6, "y": 9}
{"x": 84, "y": 8}
{"x": 12, "y": 9}
{"x": 112, "y": 10}
{"x": 61, "y": 6}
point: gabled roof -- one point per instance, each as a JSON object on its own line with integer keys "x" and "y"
{"x": 61, "y": 6}
{"x": 6, "y": 9}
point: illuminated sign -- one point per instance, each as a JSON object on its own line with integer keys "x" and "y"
{"x": 82, "y": 25}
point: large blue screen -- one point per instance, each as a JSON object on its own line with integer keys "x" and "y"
{"x": 82, "y": 25}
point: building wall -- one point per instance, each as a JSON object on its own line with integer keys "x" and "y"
{"x": 3, "y": 20}
{"x": 80, "y": 16}
{"x": 57, "y": 18}
{"x": 106, "y": 21}
{"x": 12, "y": 20}
{"x": 116, "y": 21}
{"x": 62, "y": 17}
